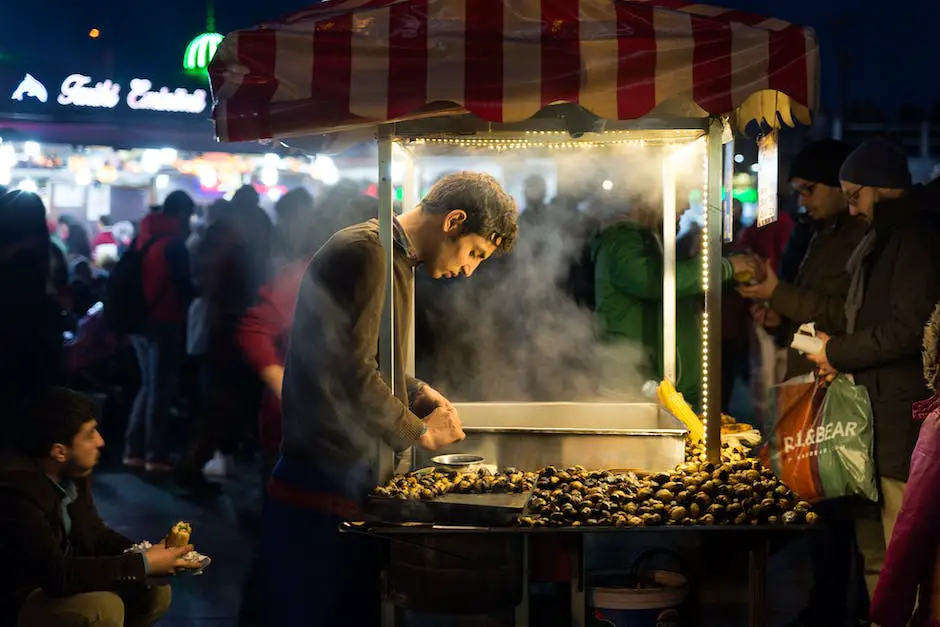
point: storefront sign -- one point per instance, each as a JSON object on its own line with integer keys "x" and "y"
{"x": 79, "y": 90}
{"x": 176, "y": 101}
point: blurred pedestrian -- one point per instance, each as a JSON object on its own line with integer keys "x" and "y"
{"x": 30, "y": 318}
{"x": 159, "y": 346}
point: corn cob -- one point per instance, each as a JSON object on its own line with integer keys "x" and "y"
{"x": 672, "y": 400}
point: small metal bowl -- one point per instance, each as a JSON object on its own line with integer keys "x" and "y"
{"x": 457, "y": 461}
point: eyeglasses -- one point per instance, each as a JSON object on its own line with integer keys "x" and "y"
{"x": 803, "y": 190}
{"x": 852, "y": 196}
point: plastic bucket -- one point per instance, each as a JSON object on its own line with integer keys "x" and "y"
{"x": 640, "y": 599}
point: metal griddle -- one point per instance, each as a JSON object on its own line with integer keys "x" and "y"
{"x": 458, "y": 509}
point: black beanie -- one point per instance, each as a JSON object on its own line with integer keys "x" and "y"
{"x": 820, "y": 162}
{"x": 879, "y": 162}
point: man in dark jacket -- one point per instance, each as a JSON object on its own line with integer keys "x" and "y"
{"x": 62, "y": 564}
{"x": 895, "y": 284}
{"x": 817, "y": 294}
{"x": 160, "y": 347}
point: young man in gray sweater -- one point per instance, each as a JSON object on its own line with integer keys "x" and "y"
{"x": 339, "y": 412}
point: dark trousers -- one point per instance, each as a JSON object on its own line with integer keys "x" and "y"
{"x": 838, "y": 594}
{"x": 160, "y": 357}
{"x": 317, "y": 576}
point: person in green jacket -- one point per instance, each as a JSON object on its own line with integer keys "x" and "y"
{"x": 628, "y": 284}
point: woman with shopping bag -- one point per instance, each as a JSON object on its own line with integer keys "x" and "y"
{"x": 911, "y": 574}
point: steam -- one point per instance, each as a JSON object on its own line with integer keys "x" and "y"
{"x": 519, "y": 330}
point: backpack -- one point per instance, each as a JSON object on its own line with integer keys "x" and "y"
{"x": 125, "y": 303}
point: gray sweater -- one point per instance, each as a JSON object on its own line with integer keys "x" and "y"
{"x": 337, "y": 408}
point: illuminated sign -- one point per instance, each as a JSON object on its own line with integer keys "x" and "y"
{"x": 176, "y": 101}
{"x": 75, "y": 92}
{"x": 200, "y": 51}
{"x": 29, "y": 86}
{"x": 79, "y": 90}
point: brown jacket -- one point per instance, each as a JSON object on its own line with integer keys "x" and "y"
{"x": 34, "y": 550}
{"x": 818, "y": 292}
{"x": 337, "y": 408}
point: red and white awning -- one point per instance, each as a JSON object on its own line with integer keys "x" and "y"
{"x": 344, "y": 63}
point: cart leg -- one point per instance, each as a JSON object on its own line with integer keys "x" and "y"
{"x": 578, "y": 607}
{"x": 388, "y": 613}
{"x": 757, "y": 583}
{"x": 387, "y": 607}
{"x": 522, "y": 610}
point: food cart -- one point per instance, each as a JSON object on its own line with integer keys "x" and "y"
{"x": 423, "y": 76}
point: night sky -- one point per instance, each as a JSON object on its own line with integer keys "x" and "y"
{"x": 891, "y": 52}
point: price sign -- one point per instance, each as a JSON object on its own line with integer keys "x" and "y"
{"x": 767, "y": 179}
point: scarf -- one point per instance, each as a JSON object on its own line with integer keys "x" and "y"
{"x": 857, "y": 270}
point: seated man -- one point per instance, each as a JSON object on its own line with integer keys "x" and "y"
{"x": 62, "y": 565}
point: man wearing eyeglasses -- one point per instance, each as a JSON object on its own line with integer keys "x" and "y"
{"x": 817, "y": 294}
{"x": 895, "y": 284}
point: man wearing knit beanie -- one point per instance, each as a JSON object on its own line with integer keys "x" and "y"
{"x": 817, "y": 294}
{"x": 875, "y": 171}
{"x": 895, "y": 284}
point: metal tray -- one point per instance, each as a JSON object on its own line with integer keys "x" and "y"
{"x": 530, "y": 436}
{"x": 458, "y": 509}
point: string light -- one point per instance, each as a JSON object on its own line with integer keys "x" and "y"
{"x": 517, "y": 144}
{"x": 705, "y": 284}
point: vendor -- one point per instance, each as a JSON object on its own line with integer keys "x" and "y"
{"x": 339, "y": 412}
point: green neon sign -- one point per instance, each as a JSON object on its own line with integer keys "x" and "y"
{"x": 200, "y": 51}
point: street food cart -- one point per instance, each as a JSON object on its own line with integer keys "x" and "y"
{"x": 422, "y": 76}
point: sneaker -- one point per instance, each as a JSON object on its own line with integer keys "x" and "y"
{"x": 134, "y": 462}
{"x": 158, "y": 467}
{"x": 220, "y": 465}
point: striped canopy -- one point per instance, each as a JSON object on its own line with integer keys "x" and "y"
{"x": 346, "y": 63}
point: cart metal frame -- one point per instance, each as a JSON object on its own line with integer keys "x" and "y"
{"x": 652, "y": 129}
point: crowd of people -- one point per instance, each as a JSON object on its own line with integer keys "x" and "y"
{"x": 274, "y": 325}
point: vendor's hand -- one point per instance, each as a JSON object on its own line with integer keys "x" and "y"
{"x": 763, "y": 290}
{"x": 443, "y": 428}
{"x": 825, "y": 369}
{"x": 427, "y": 399}
{"x": 166, "y": 561}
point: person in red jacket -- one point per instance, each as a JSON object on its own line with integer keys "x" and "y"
{"x": 160, "y": 346}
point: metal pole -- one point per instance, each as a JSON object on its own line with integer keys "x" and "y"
{"x": 409, "y": 200}
{"x": 669, "y": 269}
{"x": 385, "y": 463}
{"x": 711, "y": 285}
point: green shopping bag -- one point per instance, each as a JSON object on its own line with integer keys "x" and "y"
{"x": 823, "y": 449}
